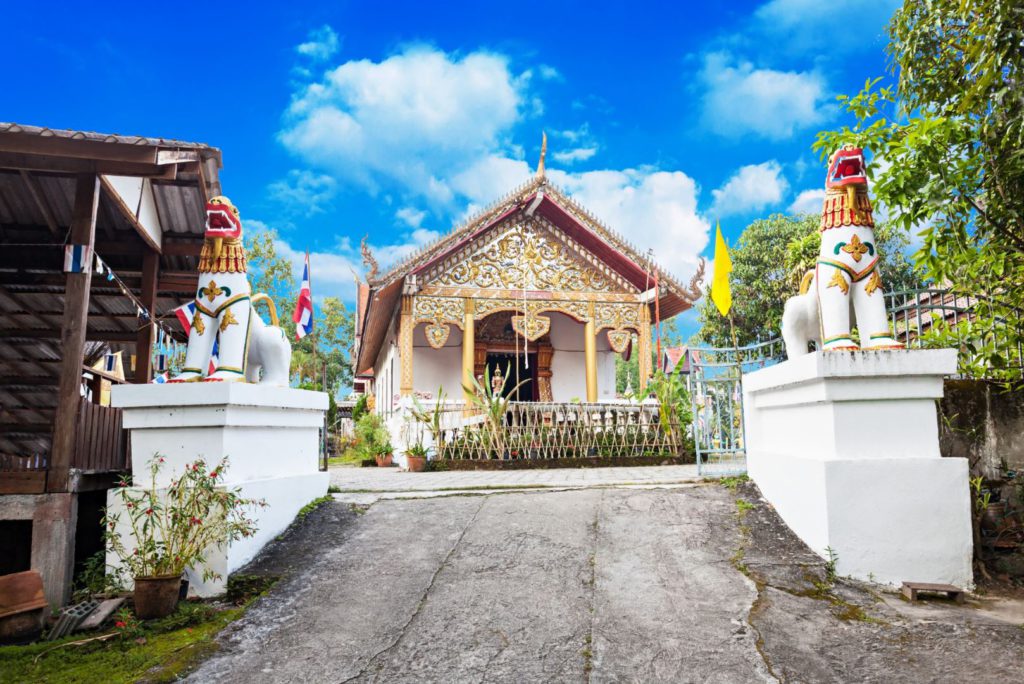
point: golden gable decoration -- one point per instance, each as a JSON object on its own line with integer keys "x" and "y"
{"x": 524, "y": 256}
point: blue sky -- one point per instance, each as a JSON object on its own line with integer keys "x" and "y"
{"x": 397, "y": 119}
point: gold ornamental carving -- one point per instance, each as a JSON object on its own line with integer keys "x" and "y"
{"x": 438, "y": 310}
{"x": 531, "y": 327}
{"x": 437, "y": 334}
{"x": 619, "y": 340}
{"x": 533, "y": 307}
{"x": 617, "y": 316}
{"x": 438, "y": 313}
{"x": 524, "y": 256}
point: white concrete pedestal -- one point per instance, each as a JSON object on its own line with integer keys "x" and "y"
{"x": 845, "y": 446}
{"x": 269, "y": 434}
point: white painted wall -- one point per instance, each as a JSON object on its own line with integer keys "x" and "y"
{"x": 269, "y": 434}
{"x": 845, "y": 447}
{"x": 568, "y": 364}
{"x": 433, "y": 368}
{"x": 137, "y": 195}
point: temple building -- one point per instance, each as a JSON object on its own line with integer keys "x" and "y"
{"x": 534, "y": 287}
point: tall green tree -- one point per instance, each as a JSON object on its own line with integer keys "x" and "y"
{"x": 951, "y": 133}
{"x": 333, "y": 323}
{"x": 769, "y": 260}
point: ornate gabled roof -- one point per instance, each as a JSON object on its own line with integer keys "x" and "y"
{"x": 559, "y": 209}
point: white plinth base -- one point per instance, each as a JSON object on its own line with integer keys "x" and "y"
{"x": 845, "y": 447}
{"x": 269, "y": 434}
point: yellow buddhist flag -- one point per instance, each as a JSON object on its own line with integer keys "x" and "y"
{"x": 721, "y": 294}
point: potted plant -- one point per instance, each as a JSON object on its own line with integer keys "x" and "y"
{"x": 373, "y": 441}
{"x": 171, "y": 530}
{"x": 416, "y": 456}
{"x": 385, "y": 455}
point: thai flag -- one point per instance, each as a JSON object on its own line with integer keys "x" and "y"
{"x": 214, "y": 358}
{"x": 77, "y": 258}
{"x": 303, "y": 316}
{"x": 185, "y": 314}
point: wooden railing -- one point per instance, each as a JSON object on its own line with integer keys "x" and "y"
{"x": 101, "y": 445}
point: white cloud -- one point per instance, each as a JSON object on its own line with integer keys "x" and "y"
{"x": 811, "y": 25}
{"x": 808, "y": 202}
{"x": 574, "y": 155}
{"x": 304, "y": 192}
{"x": 321, "y": 44}
{"x": 652, "y": 209}
{"x": 549, "y": 73}
{"x": 751, "y": 188}
{"x": 415, "y": 119}
{"x": 333, "y": 268}
{"x": 490, "y": 178}
{"x": 740, "y": 99}
{"x": 581, "y": 145}
{"x": 410, "y": 216}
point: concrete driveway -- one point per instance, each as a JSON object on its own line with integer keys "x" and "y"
{"x": 606, "y": 584}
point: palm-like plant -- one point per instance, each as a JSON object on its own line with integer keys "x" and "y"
{"x": 673, "y": 404}
{"x": 431, "y": 418}
{"x": 493, "y": 404}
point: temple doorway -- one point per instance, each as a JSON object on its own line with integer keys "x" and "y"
{"x": 517, "y": 369}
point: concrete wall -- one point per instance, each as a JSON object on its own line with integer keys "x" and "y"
{"x": 54, "y": 517}
{"x": 984, "y": 424}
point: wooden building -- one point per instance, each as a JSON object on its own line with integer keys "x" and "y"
{"x": 138, "y": 204}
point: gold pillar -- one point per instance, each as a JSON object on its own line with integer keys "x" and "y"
{"x": 405, "y": 329}
{"x": 644, "y": 348}
{"x": 468, "y": 356}
{"x": 590, "y": 354}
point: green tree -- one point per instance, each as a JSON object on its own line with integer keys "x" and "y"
{"x": 332, "y": 327}
{"x": 760, "y": 282}
{"x": 951, "y": 133}
{"x": 769, "y": 260}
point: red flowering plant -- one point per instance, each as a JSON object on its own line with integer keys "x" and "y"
{"x": 173, "y": 529}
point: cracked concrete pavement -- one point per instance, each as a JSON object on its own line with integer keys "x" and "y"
{"x": 607, "y": 585}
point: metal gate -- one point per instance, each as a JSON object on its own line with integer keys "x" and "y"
{"x": 716, "y": 392}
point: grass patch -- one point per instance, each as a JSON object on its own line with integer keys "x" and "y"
{"x": 172, "y": 648}
{"x": 731, "y": 483}
{"x": 312, "y": 506}
{"x": 349, "y": 457}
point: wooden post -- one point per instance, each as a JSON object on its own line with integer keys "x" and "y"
{"x": 76, "y": 318}
{"x": 644, "y": 349}
{"x": 147, "y": 329}
{"x": 468, "y": 355}
{"x": 590, "y": 354}
{"x": 405, "y": 329}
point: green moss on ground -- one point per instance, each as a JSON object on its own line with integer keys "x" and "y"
{"x": 163, "y": 657}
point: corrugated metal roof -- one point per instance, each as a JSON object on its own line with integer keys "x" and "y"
{"x": 42, "y": 131}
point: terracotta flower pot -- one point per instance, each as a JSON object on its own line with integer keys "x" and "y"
{"x": 384, "y": 460}
{"x": 417, "y": 464}
{"x": 156, "y": 597}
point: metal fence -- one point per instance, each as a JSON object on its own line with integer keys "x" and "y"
{"x": 548, "y": 431}
{"x": 716, "y": 392}
{"x": 934, "y": 317}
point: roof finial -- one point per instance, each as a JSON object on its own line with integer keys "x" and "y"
{"x": 543, "y": 152}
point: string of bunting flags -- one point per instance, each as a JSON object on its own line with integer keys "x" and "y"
{"x": 77, "y": 260}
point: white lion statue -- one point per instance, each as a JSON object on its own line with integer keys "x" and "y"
{"x": 224, "y": 312}
{"x": 845, "y": 284}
